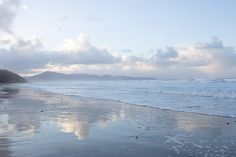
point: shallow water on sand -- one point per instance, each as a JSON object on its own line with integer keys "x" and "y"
{"x": 213, "y": 97}
{"x": 36, "y": 124}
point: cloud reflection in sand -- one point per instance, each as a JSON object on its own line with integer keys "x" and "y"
{"x": 38, "y": 116}
{"x": 74, "y": 115}
{"x": 71, "y": 124}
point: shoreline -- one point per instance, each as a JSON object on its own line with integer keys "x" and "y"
{"x": 120, "y": 101}
{"x": 47, "y": 123}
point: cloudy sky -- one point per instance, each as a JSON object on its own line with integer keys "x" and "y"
{"x": 160, "y": 38}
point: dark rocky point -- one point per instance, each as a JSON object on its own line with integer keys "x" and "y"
{"x": 10, "y": 77}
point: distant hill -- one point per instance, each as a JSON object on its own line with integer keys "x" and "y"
{"x": 10, "y": 77}
{"x": 53, "y": 76}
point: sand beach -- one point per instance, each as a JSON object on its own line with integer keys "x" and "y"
{"x": 35, "y": 123}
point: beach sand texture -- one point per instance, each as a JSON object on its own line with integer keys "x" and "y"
{"x": 36, "y": 123}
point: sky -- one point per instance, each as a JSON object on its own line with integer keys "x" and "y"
{"x": 158, "y": 38}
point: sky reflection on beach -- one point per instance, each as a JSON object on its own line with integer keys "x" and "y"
{"x": 47, "y": 123}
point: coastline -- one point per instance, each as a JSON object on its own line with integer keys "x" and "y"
{"x": 211, "y": 98}
{"x": 51, "y": 124}
{"x": 128, "y": 103}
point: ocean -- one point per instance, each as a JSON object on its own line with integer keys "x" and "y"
{"x": 213, "y": 97}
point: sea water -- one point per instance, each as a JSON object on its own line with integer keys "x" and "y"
{"x": 213, "y": 97}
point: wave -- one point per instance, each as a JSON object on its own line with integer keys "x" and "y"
{"x": 204, "y": 98}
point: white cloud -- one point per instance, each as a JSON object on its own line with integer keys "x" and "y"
{"x": 23, "y": 54}
{"x": 165, "y": 57}
{"x": 26, "y": 45}
{"x": 210, "y": 59}
{"x": 7, "y": 40}
{"x": 214, "y": 44}
{"x": 81, "y": 51}
{"x": 169, "y": 52}
{"x": 27, "y": 54}
{"x": 8, "y": 9}
{"x": 81, "y": 43}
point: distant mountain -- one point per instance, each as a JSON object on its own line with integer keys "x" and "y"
{"x": 53, "y": 76}
{"x": 10, "y": 77}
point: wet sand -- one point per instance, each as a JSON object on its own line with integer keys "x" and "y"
{"x": 35, "y": 123}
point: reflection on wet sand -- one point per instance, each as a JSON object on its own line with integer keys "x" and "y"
{"x": 75, "y": 116}
{"x": 4, "y": 147}
{"x": 34, "y": 114}
{"x": 14, "y": 120}
{"x": 7, "y": 92}
{"x": 11, "y": 125}
{"x": 71, "y": 124}
{"x": 79, "y": 125}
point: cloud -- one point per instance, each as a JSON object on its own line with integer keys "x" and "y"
{"x": 8, "y": 9}
{"x": 23, "y": 54}
{"x": 205, "y": 59}
{"x": 127, "y": 50}
{"x": 26, "y": 45}
{"x": 81, "y": 51}
{"x": 6, "y": 40}
{"x": 164, "y": 57}
{"x": 209, "y": 59}
{"x": 169, "y": 52}
{"x": 28, "y": 54}
{"x": 211, "y": 53}
{"x": 214, "y": 44}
